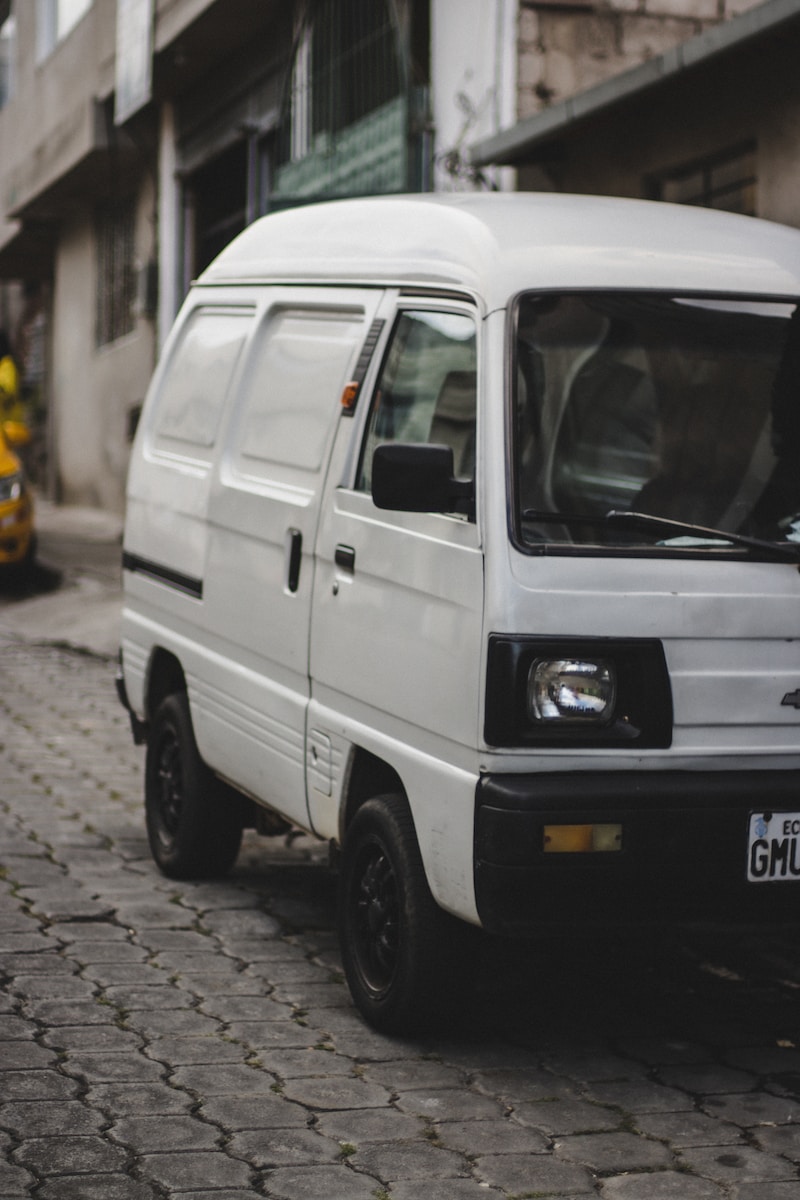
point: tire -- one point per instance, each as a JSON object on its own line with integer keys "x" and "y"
{"x": 400, "y": 951}
{"x": 194, "y": 830}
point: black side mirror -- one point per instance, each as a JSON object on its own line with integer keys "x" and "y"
{"x": 411, "y": 477}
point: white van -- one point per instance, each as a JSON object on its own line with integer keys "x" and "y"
{"x": 463, "y": 531}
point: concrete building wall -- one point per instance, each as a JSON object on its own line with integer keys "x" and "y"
{"x": 49, "y": 123}
{"x": 473, "y": 73}
{"x": 567, "y": 47}
{"x": 95, "y": 391}
{"x": 698, "y": 115}
{"x": 55, "y": 167}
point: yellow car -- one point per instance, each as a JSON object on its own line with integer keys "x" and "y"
{"x": 17, "y": 538}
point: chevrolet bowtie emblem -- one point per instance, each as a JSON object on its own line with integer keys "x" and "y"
{"x": 792, "y": 699}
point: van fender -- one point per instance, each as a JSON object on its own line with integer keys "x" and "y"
{"x": 440, "y": 797}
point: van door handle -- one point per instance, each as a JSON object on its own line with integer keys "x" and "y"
{"x": 294, "y": 546}
{"x": 345, "y": 557}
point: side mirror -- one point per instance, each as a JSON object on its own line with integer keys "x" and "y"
{"x": 411, "y": 477}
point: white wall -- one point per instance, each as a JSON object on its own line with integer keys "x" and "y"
{"x": 93, "y": 389}
{"x": 474, "y": 82}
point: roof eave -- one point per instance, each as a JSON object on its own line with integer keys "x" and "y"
{"x": 515, "y": 145}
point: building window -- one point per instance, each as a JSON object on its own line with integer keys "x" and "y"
{"x": 346, "y": 66}
{"x": 8, "y": 46}
{"x": 116, "y": 280}
{"x": 726, "y": 181}
{"x": 55, "y": 19}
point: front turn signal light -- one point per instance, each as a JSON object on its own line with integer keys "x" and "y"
{"x": 582, "y": 839}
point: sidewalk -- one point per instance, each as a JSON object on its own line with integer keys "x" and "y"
{"x": 77, "y": 597}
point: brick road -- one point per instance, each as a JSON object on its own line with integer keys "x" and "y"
{"x": 163, "y": 1039}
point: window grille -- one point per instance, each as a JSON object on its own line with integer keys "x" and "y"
{"x": 116, "y": 279}
{"x": 346, "y": 65}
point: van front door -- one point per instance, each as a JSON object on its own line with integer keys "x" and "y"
{"x": 395, "y": 645}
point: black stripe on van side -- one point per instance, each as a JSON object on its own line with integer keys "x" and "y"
{"x": 175, "y": 579}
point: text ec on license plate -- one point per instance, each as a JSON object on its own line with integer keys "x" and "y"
{"x": 773, "y": 848}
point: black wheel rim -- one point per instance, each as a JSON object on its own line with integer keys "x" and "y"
{"x": 168, "y": 788}
{"x": 375, "y": 914}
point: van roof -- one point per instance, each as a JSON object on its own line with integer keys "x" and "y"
{"x": 498, "y": 244}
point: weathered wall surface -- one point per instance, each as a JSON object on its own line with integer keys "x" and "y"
{"x": 565, "y": 48}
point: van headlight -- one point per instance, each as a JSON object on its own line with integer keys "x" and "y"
{"x": 571, "y": 690}
{"x": 11, "y": 487}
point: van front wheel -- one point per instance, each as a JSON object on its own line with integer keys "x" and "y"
{"x": 193, "y": 832}
{"x": 398, "y": 947}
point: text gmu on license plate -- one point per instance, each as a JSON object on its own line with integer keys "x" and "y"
{"x": 773, "y": 847}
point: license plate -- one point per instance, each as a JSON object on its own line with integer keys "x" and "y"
{"x": 773, "y": 849}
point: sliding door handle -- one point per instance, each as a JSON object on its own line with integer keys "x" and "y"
{"x": 345, "y": 557}
{"x": 294, "y": 551}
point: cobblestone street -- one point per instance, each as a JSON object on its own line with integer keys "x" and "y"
{"x": 161, "y": 1039}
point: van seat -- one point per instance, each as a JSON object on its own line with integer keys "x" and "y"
{"x": 454, "y": 420}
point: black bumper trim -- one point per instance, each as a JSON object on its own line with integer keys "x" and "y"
{"x": 684, "y": 846}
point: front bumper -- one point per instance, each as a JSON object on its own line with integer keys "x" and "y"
{"x": 683, "y": 852}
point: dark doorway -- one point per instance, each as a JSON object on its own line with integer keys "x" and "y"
{"x": 219, "y": 194}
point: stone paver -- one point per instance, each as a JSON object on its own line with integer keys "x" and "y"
{"x": 665, "y": 1185}
{"x": 96, "y": 1187}
{"x": 60, "y": 1155}
{"x": 194, "y": 1169}
{"x": 320, "y": 1183}
{"x": 735, "y": 1164}
{"x": 162, "y": 1039}
{"x": 38, "y": 1118}
{"x": 604, "y": 1152}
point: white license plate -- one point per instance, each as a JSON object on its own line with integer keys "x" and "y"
{"x": 773, "y": 847}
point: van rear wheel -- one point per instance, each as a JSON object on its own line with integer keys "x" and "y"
{"x": 399, "y": 949}
{"x": 194, "y": 830}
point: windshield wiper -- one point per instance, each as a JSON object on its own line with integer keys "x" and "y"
{"x": 645, "y": 521}
{"x": 670, "y": 529}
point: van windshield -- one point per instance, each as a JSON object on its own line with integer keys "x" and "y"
{"x": 680, "y": 408}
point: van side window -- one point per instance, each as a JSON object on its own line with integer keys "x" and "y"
{"x": 200, "y": 369}
{"x": 427, "y": 389}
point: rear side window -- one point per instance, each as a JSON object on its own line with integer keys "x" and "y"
{"x": 193, "y": 391}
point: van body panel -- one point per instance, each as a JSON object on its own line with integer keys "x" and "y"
{"x": 729, "y": 631}
{"x": 409, "y": 610}
{"x": 413, "y": 639}
{"x": 263, "y": 511}
{"x": 169, "y": 479}
{"x": 441, "y": 797}
{"x": 579, "y": 689}
{"x": 498, "y": 245}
